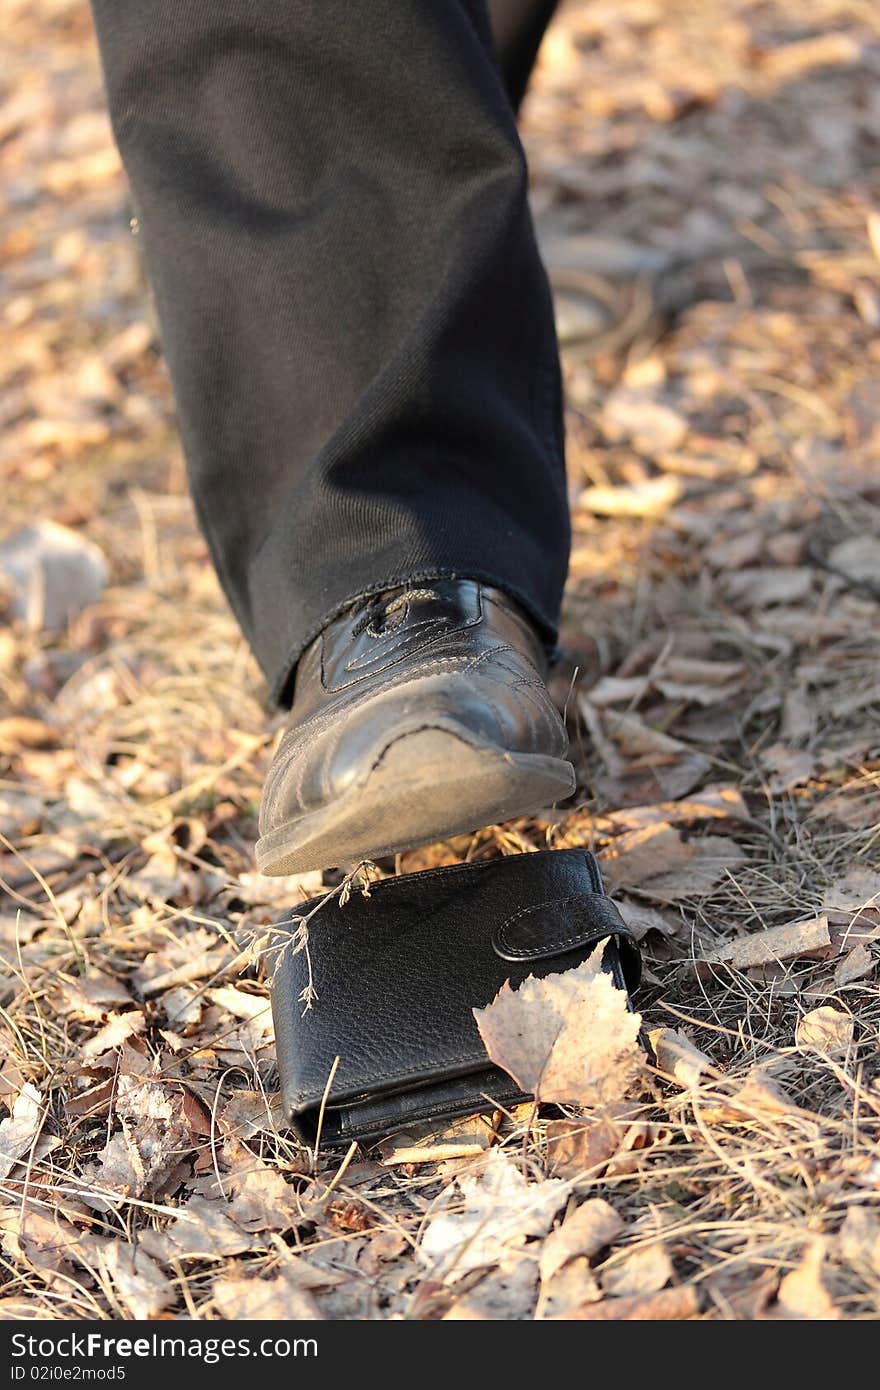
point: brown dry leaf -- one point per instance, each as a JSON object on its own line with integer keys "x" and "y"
{"x": 585, "y": 1231}
{"x": 155, "y": 1137}
{"x": 465, "y": 1138}
{"x": 702, "y": 682}
{"x": 644, "y": 765}
{"x": 261, "y": 1200}
{"x": 280, "y": 1298}
{"x": 499, "y": 1209}
{"x": 856, "y": 806}
{"x": 858, "y": 1240}
{"x": 652, "y": 497}
{"x": 248, "y": 1114}
{"x": 802, "y": 1293}
{"x": 40, "y": 1239}
{"x": 18, "y": 732}
{"x": 773, "y": 944}
{"x": 18, "y": 1133}
{"x": 639, "y": 855}
{"x": 136, "y": 1280}
{"x": 564, "y": 1292}
{"x": 644, "y": 1271}
{"x": 255, "y": 1011}
{"x": 507, "y": 1293}
{"x": 794, "y": 59}
{"x": 652, "y": 426}
{"x": 858, "y": 558}
{"x": 857, "y": 889}
{"x": 826, "y": 1030}
{"x": 759, "y": 1095}
{"x": 116, "y": 1030}
{"x": 202, "y": 1229}
{"x": 762, "y": 588}
{"x": 54, "y": 572}
{"x": 92, "y": 998}
{"x": 640, "y": 918}
{"x": 854, "y": 966}
{"x": 733, "y": 552}
{"x": 790, "y": 767}
{"x": 568, "y": 1038}
{"x": 618, "y": 690}
{"x": 712, "y": 859}
{"x": 635, "y": 1145}
{"x": 666, "y": 1306}
{"x": 196, "y": 955}
{"x": 579, "y": 1148}
{"x": 679, "y": 1058}
{"x": 712, "y": 803}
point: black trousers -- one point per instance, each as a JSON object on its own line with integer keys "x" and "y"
{"x": 332, "y": 200}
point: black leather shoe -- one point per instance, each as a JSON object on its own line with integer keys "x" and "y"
{"x": 418, "y": 714}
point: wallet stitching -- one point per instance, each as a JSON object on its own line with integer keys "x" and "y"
{"x": 555, "y": 902}
{"x": 347, "y": 1123}
{"x": 364, "y": 1079}
{"x": 383, "y": 885}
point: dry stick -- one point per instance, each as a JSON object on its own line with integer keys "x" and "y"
{"x": 29, "y": 987}
{"x": 337, "y": 1176}
{"x": 321, "y": 1113}
{"x": 213, "y": 1134}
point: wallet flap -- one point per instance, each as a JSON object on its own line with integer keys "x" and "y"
{"x": 556, "y": 926}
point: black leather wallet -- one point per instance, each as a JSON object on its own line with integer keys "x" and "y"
{"x": 398, "y": 974}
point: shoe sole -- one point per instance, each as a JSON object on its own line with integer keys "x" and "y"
{"x": 427, "y": 786}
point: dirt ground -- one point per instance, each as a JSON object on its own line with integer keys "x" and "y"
{"x": 706, "y": 184}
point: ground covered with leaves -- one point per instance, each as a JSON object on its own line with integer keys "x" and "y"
{"x": 705, "y": 188}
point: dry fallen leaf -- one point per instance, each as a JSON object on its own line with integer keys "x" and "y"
{"x": 507, "y": 1293}
{"x": 653, "y": 497}
{"x": 652, "y": 426}
{"x": 790, "y": 767}
{"x": 155, "y": 1137}
{"x": 18, "y": 732}
{"x": 711, "y": 803}
{"x": 759, "y": 1096}
{"x": 855, "y": 965}
{"x": 802, "y": 1293}
{"x": 499, "y": 1209}
{"x": 42, "y": 1241}
{"x": 858, "y": 1240}
{"x": 280, "y": 1298}
{"x": 643, "y": 1272}
{"x": 18, "y": 1133}
{"x": 136, "y": 1281}
{"x": 712, "y": 859}
{"x": 858, "y": 559}
{"x": 666, "y": 1306}
{"x": 203, "y": 1228}
{"x": 858, "y": 888}
{"x": 568, "y": 1038}
{"x": 55, "y": 573}
{"x": 702, "y": 682}
{"x": 826, "y": 1030}
{"x": 638, "y": 855}
{"x": 568, "y": 1289}
{"x": 579, "y": 1148}
{"x": 760, "y": 588}
{"x": 116, "y": 1030}
{"x": 585, "y": 1231}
